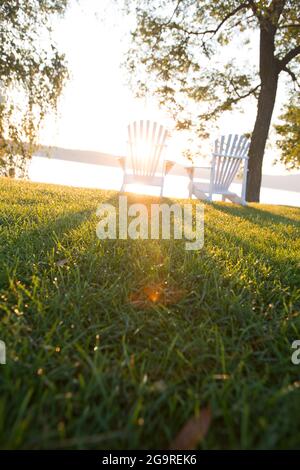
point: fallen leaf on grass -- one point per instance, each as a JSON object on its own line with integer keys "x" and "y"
{"x": 193, "y": 432}
{"x": 62, "y": 262}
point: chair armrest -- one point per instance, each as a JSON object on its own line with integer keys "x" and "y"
{"x": 191, "y": 170}
{"x": 192, "y": 167}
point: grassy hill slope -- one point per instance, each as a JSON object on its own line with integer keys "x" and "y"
{"x": 116, "y": 344}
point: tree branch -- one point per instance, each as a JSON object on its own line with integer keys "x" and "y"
{"x": 250, "y": 17}
{"x": 291, "y": 74}
{"x": 245, "y": 95}
{"x": 229, "y": 102}
{"x": 292, "y": 25}
{"x": 276, "y": 8}
{"x": 175, "y": 11}
{"x": 253, "y": 7}
{"x": 227, "y": 17}
{"x": 207, "y": 31}
{"x": 288, "y": 57}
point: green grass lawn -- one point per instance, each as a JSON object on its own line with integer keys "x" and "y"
{"x": 93, "y": 362}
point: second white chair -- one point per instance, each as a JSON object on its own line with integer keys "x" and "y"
{"x": 230, "y": 153}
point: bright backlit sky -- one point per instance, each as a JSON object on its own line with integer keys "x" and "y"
{"x": 97, "y": 104}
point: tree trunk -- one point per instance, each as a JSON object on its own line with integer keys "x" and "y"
{"x": 269, "y": 79}
{"x": 12, "y": 172}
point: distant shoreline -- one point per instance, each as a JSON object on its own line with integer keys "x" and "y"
{"x": 281, "y": 182}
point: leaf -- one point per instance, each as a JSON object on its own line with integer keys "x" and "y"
{"x": 62, "y": 262}
{"x": 193, "y": 432}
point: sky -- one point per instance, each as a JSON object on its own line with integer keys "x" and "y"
{"x": 97, "y": 103}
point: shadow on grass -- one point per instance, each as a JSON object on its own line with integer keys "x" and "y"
{"x": 256, "y": 215}
{"x": 34, "y": 244}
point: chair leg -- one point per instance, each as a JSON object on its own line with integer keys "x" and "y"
{"x": 163, "y": 182}
{"x": 235, "y": 199}
{"x": 200, "y": 194}
{"x": 123, "y": 184}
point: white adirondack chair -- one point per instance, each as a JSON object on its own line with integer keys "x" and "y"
{"x": 144, "y": 163}
{"x": 230, "y": 152}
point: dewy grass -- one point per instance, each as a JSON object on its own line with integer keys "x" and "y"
{"x": 117, "y": 343}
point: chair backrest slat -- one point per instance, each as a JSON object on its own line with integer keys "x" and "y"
{"x": 237, "y": 150}
{"x": 158, "y": 147}
{"x": 246, "y": 149}
{"x": 233, "y": 146}
{"x": 134, "y": 142}
{"x": 147, "y": 141}
{"x": 220, "y": 161}
{"x": 147, "y": 133}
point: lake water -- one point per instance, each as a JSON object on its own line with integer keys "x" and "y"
{"x": 49, "y": 170}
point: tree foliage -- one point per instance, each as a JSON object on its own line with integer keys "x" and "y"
{"x": 32, "y": 75}
{"x": 289, "y": 132}
{"x": 183, "y": 51}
